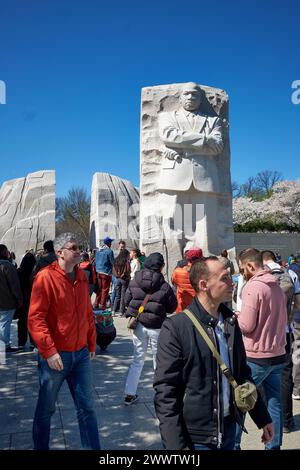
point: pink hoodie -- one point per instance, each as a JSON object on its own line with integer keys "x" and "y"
{"x": 263, "y": 317}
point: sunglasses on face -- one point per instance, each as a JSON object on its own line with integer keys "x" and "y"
{"x": 71, "y": 248}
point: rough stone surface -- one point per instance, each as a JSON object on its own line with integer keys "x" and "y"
{"x": 205, "y": 183}
{"x": 27, "y": 212}
{"x": 114, "y": 210}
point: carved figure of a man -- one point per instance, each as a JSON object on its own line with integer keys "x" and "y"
{"x": 192, "y": 144}
{"x": 191, "y": 140}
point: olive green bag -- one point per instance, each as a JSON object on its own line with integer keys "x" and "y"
{"x": 245, "y": 395}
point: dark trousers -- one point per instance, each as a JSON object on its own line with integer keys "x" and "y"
{"x": 286, "y": 389}
{"x": 22, "y": 329}
{"x": 104, "y": 281}
{"x": 119, "y": 303}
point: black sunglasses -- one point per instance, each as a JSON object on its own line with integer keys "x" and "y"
{"x": 71, "y": 248}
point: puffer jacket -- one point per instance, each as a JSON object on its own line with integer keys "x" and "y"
{"x": 161, "y": 301}
{"x": 185, "y": 291}
{"x": 60, "y": 314}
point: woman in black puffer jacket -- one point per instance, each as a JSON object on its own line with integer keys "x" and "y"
{"x": 148, "y": 288}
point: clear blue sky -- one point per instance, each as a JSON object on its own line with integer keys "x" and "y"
{"x": 74, "y": 72}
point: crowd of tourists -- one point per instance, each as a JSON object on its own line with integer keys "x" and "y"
{"x": 224, "y": 336}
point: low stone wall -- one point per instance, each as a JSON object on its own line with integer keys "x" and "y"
{"x": 284, "y": 243}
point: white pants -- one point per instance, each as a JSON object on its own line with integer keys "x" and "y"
{"x": 140, "y": 337}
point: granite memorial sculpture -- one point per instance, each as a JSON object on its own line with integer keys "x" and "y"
{"x": 185, "y": 171}
{"x": 114, "y": 210}
{"x": 27, "y": 212}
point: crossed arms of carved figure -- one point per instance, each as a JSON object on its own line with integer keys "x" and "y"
{"x": 208, "y": 141}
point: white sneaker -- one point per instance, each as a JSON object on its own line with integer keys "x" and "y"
{"x": 296, "y": 397}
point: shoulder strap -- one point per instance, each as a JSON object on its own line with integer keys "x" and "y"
{"x": 212, "y": 347}
{"x": 142, "y": 307}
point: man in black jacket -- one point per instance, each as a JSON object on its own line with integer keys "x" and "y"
{"x": 194, "y": 401}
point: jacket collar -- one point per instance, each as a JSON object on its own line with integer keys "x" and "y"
{"x": 207, "y": 318}
{"x": 79, "y": 275}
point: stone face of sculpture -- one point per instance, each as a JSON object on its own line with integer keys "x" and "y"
{"x": 114, "y": 210}
{"x": 185, "y": 171}
{"x": 27, "y": 212}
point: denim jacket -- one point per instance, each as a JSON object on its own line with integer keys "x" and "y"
{"x": 104, "y": 260}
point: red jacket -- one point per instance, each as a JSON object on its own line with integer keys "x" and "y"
{"x": 90, "y": 271}
{"x": 60, "y": 314}
{"x": 185, "y": 291}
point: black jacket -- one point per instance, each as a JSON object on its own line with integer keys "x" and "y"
{"x": 10, "y": 289}
{"x": 188, "y": 385}
{"x": 161, "y": 301}
{"x": 43, "y": 261}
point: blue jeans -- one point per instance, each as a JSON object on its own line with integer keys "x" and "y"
{"x": 77, "y": 372}
{"x": 268, "y": 378}
{"x": 114, "y": 281}
{"x": 228, "y": 437}
{"x": 6, "y": 317}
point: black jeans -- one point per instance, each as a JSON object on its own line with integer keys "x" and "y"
{"x": 286, "y": 388}
{"x": 119, "y": 303}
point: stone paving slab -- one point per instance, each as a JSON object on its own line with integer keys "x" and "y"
{"x": 121, "y": 427}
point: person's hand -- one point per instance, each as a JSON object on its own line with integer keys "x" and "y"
{"x": 171, "y": 154}
{"x": 211, "y": 142}
{"x": 92, "y": 355}
{"x": 55, "y": 362}
{"x": 268, "y": 433}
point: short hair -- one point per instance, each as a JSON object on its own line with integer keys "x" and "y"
{"x": 191, "y": 85}
{"x": 62, "y": 239}
{"x": 200, "y": 270}
{"x": 251, "y": 254}
{"x": 224, "y": 253}
{"x": 122, "y": 241}
{"x": 3, "y": 252}
{"x": 48, "y": 246}
{"x": 268, "y": 254}
{"x": 85, "y": 256}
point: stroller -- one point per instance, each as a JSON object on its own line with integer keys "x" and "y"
{"x": 106, "y": 331}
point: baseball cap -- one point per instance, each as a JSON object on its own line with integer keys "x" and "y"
{"x": 108, "y": 240}
{"x": 193, "y": 254}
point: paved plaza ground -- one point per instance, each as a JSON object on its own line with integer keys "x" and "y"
{"x": 121, "y": 427}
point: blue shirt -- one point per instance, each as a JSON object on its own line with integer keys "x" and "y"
{"x": 223, "y": 346}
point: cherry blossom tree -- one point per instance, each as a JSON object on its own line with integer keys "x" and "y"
{"x": 281, "y": 209}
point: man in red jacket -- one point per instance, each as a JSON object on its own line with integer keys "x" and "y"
{"x": 61, "y": 324}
